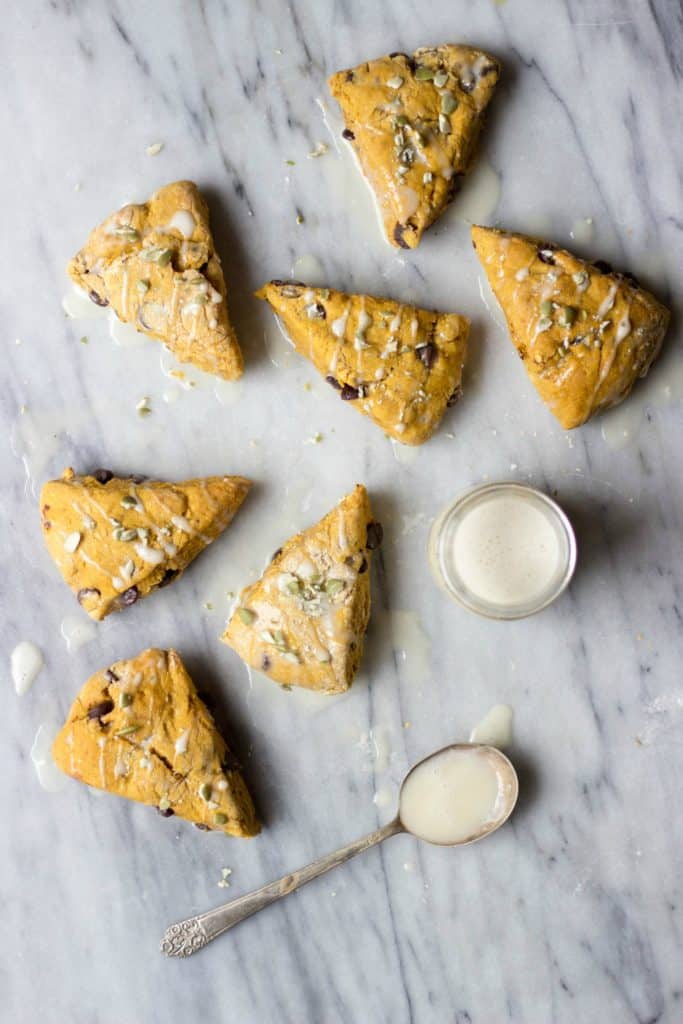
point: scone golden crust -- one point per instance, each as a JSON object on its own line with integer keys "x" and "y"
{"x": 303, "y": 621}
{"x": 115, "y": 539}
{"x": 584, "y": 333}
{"x": 138, "y": 729}
{"x": 155, "y": 264}
{"x": 399, "y": 365}
{"x": 414, "y": 122}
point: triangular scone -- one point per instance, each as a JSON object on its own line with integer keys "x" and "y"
{"x": 399, "y": 365}
{"x": 155, "y": 264}
{"x": 138, "y": 729}
{"x": 303, "y": 621}
{"x": 115, "y": 539}
{"x": 413, "y": 123}
{"x": 584, "y": 333}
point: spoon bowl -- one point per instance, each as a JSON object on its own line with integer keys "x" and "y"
{"x": 491, "y": 789}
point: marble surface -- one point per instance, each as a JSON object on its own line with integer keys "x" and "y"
{"x": 572, "y": 912}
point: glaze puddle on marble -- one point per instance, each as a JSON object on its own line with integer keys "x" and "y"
{"x": 26, "y": 661}
{"x": 479, "y": 195}
{"x": 405, "y": 455}
{"x": 663, "y": 386}
{"x": 49, "y": 775}
{"x": 495, "y": 728}
{"x": 411, "y": 646}
{"x": 309, "y": 270}
{"x": 582, "y": 230}
{"x": 77, "y": 630}
{"x": 35, "y": 438}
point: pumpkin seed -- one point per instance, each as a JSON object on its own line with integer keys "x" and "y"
{"x": 448, "y": 103}
{"x": 246, "y": 616}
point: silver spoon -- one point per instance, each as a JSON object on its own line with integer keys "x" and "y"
{"x": 187, "y": 937}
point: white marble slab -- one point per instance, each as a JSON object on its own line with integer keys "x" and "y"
{"x": 572, "y": 912}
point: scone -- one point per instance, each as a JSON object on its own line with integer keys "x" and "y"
{"x": 413, "y": 122}
{"x": 584, "y": 333}
{"x": 155, "y": 264}
{"x": 303, "y": 621}
{"x": 399, "y": 365}
{"x": 138, "y": 729}
{"x": 115, "y": 539}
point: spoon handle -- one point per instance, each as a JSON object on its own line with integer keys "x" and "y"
{"x": 189, "y": 936}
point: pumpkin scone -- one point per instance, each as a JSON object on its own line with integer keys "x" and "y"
{"x": 303, "y": 621}
{"x": 399, "y": 365}
{"x": 139, "y": 729}
{"x": 413, "y": 122}
{"x": 156, "y": 265}
{"x": 116, "y": 539}
{"x": 584, "y": 332}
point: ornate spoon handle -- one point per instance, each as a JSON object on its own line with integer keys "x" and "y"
{"x": 186, "y": 937}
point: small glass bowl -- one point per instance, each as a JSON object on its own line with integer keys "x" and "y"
{"x": 443, "y": 564}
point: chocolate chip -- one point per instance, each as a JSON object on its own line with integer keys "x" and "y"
{"x": 138, "y": 478}
{"x": 129, "y": 596}
{"x": 167, "y": 813}
{"x": 168, "y": 577}
{"x": 374, "y": 536}
{"x": 348, "y": 135}
{"x": 276, "y": 554}
{"x": 334, "y": 383}
{"x": 201, "y": 827}
{"x": 454, "y": 398}
{"x": 349, "y": 393}
{"x": 427, "y": 354}
{"x": 99, "y": 710}
{"x": 278, "y": 283}
{"x": 603, "y": 266}
{"x": 111, "y": 676}
{"x": 631, "y": 278}
{"x": 363, "y": 567}
{"x": 85, "y": 593}
{"x": 265, "y": 663}
{"x": 545, "y": 255}
{"x": 97, "y": 299}
{"x": 349, "y": 76}
{"x": 103, "y": 476}
{"x": 398, "y": 236}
